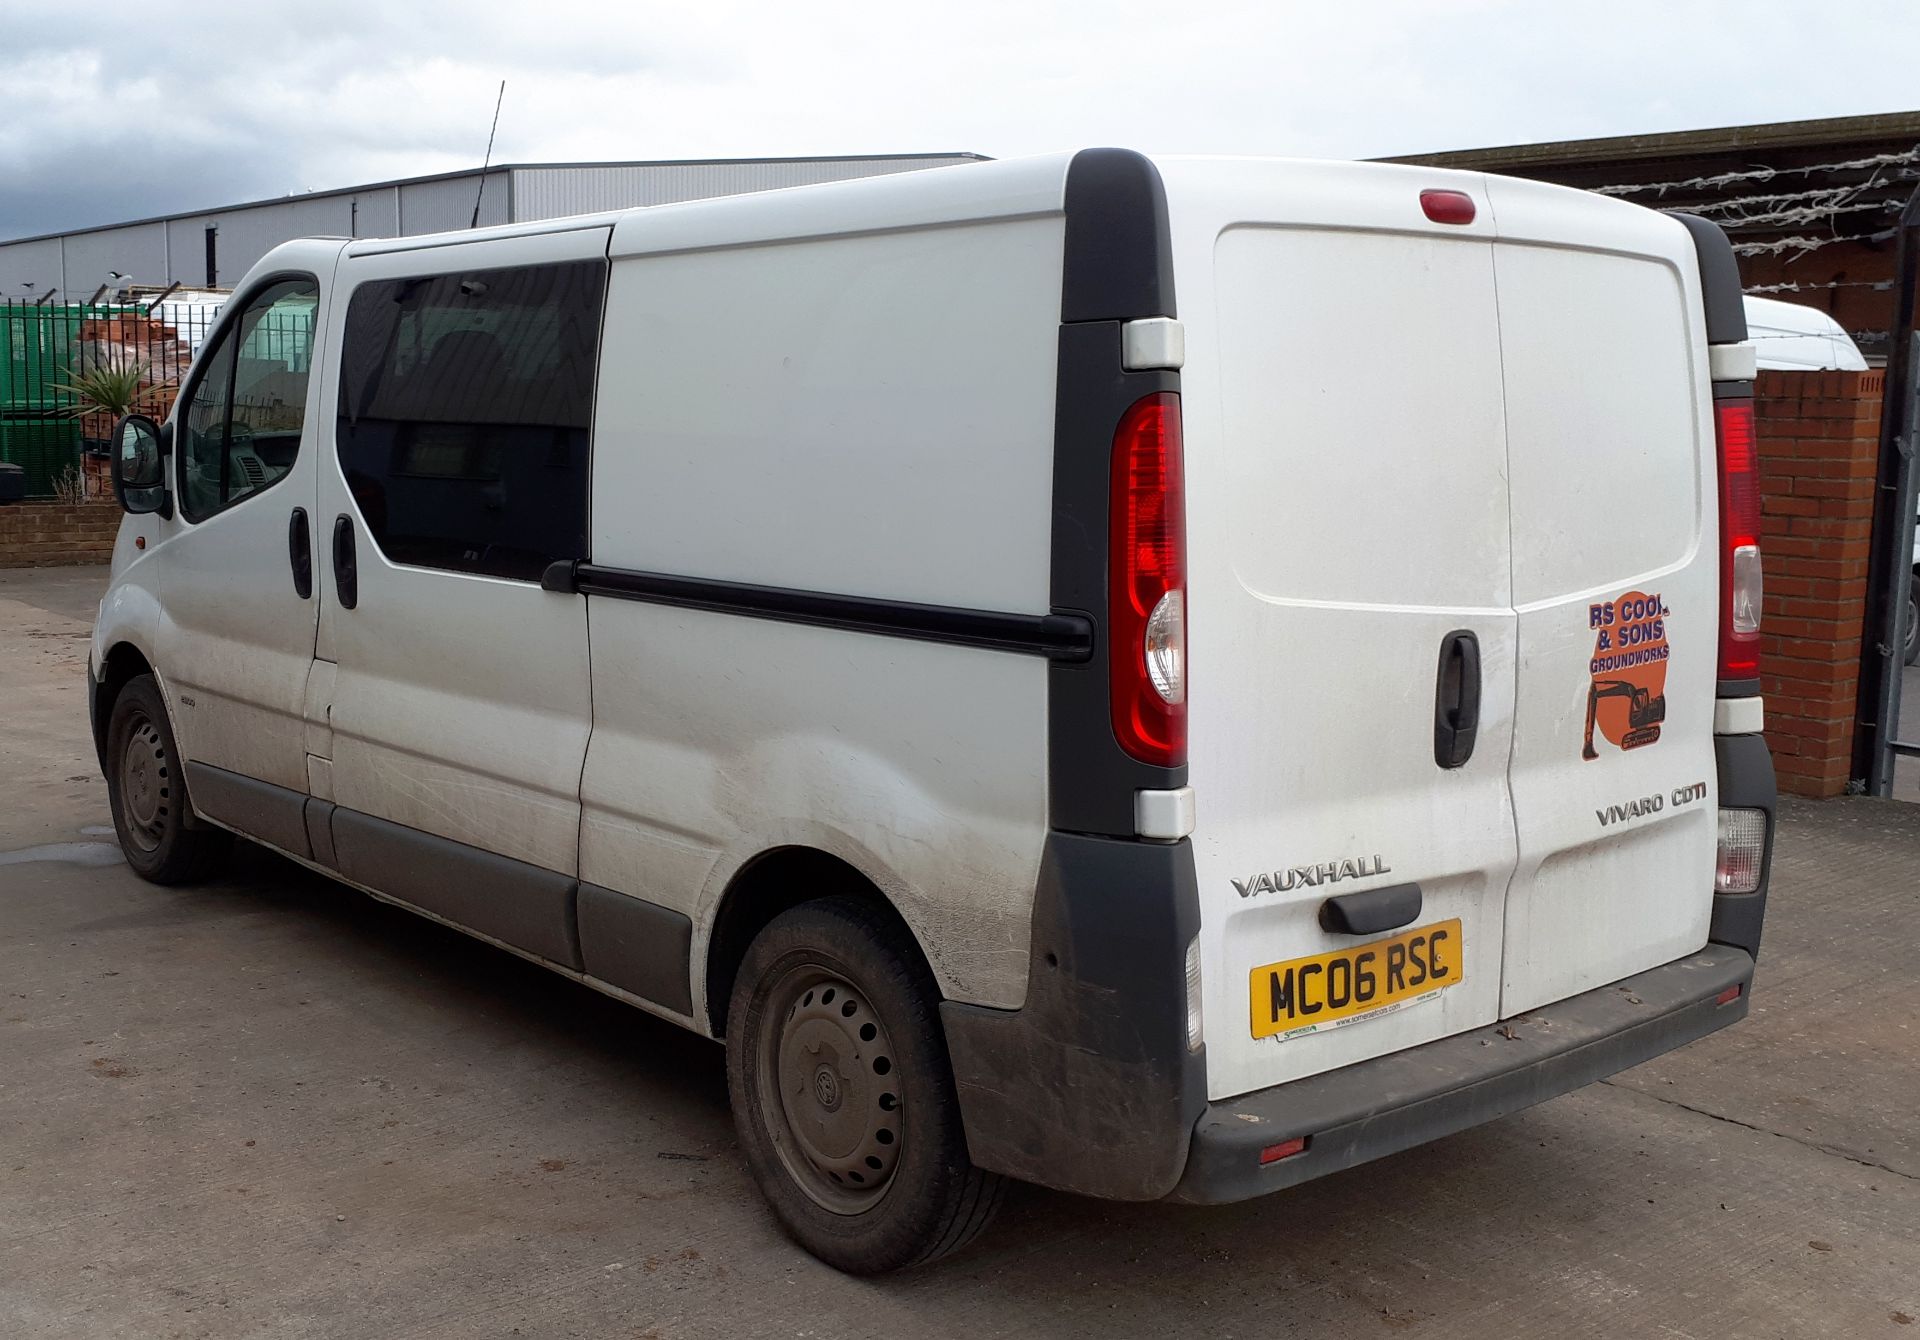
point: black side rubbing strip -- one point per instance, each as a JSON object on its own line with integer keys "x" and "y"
{"x": 637, "y": 946}
{"x": 273, "y": 814}
{"x": 523, "y": 905}
{"x": 1719, "y": 281}
{"x": 319, "y": 817}
{"x": 1060, "y": 637}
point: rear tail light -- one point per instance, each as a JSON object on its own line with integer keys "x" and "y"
{"x": 1196, "y": 1030}
{"x": 1740, "y": 582}
{"x": 1147, "y": 580}
{"x": 1742, "y": 851}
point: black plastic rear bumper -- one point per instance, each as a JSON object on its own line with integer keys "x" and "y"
{"x": 1403, "y": 1099}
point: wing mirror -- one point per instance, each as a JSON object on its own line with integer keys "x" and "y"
{"x": 140, "y": 465}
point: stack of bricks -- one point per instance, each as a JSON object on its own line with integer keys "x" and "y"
{"x": 45, "y": 534}
{"x": 1819, "y": 438}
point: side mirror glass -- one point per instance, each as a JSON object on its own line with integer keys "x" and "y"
{"x": 139, "y": 465}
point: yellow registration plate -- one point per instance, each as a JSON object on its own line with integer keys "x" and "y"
{"x": 1304, "y": 995}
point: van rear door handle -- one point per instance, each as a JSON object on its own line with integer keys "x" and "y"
{"x": 1371, "y": 911}
{"x": 346, "y": 571}
{"x": 1456, "y": 699}
{"x": 300, "y": 552}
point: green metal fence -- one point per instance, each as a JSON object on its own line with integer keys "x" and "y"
{"x": 46, "y": 449}
{"x": 42, "y": 347}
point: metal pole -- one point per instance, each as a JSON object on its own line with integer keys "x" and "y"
{"x": 1892, "y": 635}
{"x": 1888, "y": 565}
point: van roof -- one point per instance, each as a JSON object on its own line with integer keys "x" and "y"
{"x": 997, "y": 188}
{"x": 1790, "y": 335}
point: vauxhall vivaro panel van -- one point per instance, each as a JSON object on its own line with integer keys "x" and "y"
{"x": 1162, "y": 678}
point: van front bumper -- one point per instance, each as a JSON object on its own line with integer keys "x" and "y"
{"x": 1394, "y": 1102}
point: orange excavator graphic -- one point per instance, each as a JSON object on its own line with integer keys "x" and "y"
{"x": 1645, "y": 712}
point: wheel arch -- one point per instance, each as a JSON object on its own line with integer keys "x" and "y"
{"x": 124, "y": 661}
{"x": 769, "y": 884}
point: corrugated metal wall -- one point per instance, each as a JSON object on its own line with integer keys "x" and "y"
{"x": 550, "y": 193}
{"x": 163, "y": 251}
{"x": 445, "y": 205}
{"x": 29, "y": 269}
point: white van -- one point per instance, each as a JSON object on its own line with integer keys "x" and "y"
{"x": 1796, "y": 338}
{"x": 1161, "y": 678}
{"x": 1792, "y": 337}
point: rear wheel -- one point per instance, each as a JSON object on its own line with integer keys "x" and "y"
{"x": 147, "y": 789}
{"x": 1912, "y": 647}
{"x": 842, "y": 1093}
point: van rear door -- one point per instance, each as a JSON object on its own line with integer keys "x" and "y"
{"x": 1347, "y": 524}
{"x": 1615, "y": 586}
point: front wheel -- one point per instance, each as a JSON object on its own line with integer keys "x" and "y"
{"x": 147, "y": 789}
{"x": 842, "y": 1094}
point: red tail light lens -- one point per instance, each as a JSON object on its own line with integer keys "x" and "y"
{"x": 1740, "y": 579}
{"x": 1447, "y": 206}
{"x": 1147, "y": 583}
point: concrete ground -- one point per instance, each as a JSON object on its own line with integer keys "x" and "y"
{"x": 271, "y": 1107}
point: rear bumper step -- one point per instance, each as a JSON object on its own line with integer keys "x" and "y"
{"x": 1394, "y": 1102}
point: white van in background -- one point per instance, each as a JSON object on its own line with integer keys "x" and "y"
{"x": 1791, "y": 338}
{"x": 1796, "y": 338}
{"x": 977, "y": 642}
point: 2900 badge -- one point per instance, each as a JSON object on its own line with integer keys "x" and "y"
{"x": 1303, "y": 995}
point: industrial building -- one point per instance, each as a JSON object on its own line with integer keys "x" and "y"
{"x": 214, "y": 248}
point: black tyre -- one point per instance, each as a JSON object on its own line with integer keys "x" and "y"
{"x": 1912, "y": 648}
{"x": 147, "y": 788}
{"x": 842, "y": 1094}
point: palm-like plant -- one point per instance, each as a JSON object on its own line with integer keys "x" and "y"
{"x": 112, "y": 388}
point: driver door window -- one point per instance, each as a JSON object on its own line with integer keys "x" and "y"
{"x": 241, "y": 429}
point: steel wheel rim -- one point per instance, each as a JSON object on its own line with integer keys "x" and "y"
{"x": 146, "y": 785}
{"x": 830, "y": 1089}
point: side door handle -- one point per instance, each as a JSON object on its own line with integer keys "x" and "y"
{"x": 300, "y": 552}
{"x": 346, "y": 570}
{"x": 1456, "y": 699}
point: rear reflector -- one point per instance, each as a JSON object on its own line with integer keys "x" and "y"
{"x": 1742, "y": 851}
{"x": 1196, "y": 1027}
{"x": 1447, "y": 206}
{"x": 1146, "y": 584}
{"x": 1728, "y": 996}
{"x": 1740, "y": 578}
{"x": 1286, "y": 1149}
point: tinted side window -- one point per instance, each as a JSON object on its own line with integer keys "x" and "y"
{"x": 465, "y": 407}
{"x": 240, "y": 432}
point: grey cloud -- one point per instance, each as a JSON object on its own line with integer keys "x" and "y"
{"x": 112, "y": 109}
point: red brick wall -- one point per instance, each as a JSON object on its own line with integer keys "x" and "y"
{"x": 44, "y": 534}
{"x": 1819, "y": 441}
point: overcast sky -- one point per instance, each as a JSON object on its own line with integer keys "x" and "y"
{"x": 112, "y": 111}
